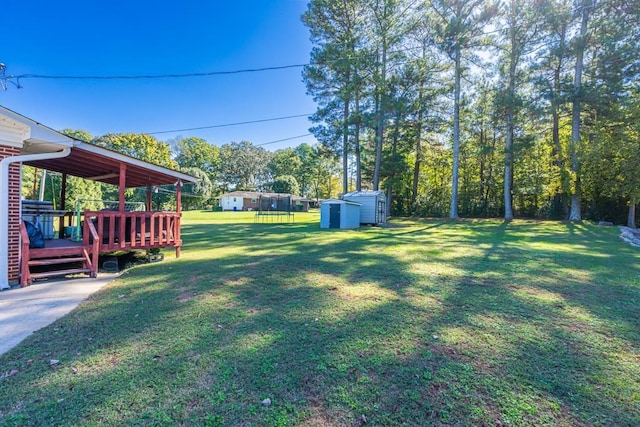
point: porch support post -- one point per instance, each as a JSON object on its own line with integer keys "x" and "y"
{"x": 122, "y": 186}
{"x": 179, "y": 196}
{"x": 178, "y": 211}
{"x": 149, "y": 198}
{"x": 121, "y": 189}
{"x": 63, "y": 196}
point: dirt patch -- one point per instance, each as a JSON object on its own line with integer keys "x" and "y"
{"x": 392, "y": 225}
{"x": 186, "y": 296}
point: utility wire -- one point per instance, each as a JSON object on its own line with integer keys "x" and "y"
{"x": 17, "y": 78}
{"x": 4, "y": 79}
{"x": 154, "y": 76}
{"x": 229, "y": 124}
{"x": 284, "y": 139}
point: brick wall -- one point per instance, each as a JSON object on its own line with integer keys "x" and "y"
{"x": 14, "y": 212}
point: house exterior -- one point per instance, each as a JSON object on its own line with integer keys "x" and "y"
{"x": 238, "y": 201}
{"x": 25, "y": 141}
{"x": 256, "y": 201}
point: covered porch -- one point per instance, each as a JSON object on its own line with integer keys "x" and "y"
{"x": 113, "y": 229}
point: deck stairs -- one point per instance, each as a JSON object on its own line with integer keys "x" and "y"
{"x": 65, "y": 260}
{"x": 59, "y": 258}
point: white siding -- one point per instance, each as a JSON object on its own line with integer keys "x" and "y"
{"x": 368, "y": 210}
{"x": 228, "y": 203}
{"x": 349, "y": 214}
{"x": 325, "y": 211}
{"x": 368, "y": 200}
{"x": 350, "y": 217}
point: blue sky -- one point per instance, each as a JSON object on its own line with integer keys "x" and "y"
{"x": 109, "y": 38}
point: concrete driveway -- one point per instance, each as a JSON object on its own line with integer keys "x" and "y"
{"x": 25, "y": 310}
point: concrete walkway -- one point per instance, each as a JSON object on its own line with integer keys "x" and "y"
{"x": 25, "y": 310}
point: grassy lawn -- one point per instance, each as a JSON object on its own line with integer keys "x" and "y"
{"x": 423, "y": 323}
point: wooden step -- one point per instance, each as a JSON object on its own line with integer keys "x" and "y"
{"x": 60, "y": 273}
{"x": 53, "y": 261}
{"x": 57, "y": 252}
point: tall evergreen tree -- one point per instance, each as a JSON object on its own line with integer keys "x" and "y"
{"x": 459, "y": 27}
{"x": 521, "y": 23}
{"x": 334, "y": 28}
{"x": 552, "y": 83}
{"x": 585, "y": 8}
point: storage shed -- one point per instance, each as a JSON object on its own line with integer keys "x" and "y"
{"x": 373, "y": 205}
{"x": 339, "y": 214}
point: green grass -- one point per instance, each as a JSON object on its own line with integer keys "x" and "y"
{"x": 425, "y": 323}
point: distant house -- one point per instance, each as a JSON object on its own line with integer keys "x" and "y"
{"x": 255, "y": 201}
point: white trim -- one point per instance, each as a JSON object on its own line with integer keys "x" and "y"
{"x": 36, "y": 132}
{"x": 12, "y": 133}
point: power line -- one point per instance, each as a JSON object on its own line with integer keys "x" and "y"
{"x": 4, "y": 79}
{"x": 17, "y": 78}
{"x": 229, "y": 124}
{"x": 153, "y": 76}
{"x": 284, "y": 139}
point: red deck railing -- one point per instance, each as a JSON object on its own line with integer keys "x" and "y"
{"x": 25, "y": 276}
{"x": 134, "y": 230}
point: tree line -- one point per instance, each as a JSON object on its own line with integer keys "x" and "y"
{"x": 306, "y": 170}
{"x": 477, "y": 108}
{"x": 482, "y": 107}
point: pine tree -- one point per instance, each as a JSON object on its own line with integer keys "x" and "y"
{"x": 459, "y": 27}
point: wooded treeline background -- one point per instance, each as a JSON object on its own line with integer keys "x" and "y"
{"x": 473, "y": 108}
{"x": 482, "y": 108}
{"x": 305, "y": 170}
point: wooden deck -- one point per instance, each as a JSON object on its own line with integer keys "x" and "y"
{"x": 102, "y": 232}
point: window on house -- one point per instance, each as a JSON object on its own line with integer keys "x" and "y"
{"x": 234, "y": 199}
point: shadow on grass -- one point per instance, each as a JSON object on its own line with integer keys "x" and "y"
{"x": 441, "y": 323}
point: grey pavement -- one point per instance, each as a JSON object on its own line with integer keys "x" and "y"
{"x": 25, "y": 310}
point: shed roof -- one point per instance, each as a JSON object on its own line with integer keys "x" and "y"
{"x": 364, "y": 193}
{"x": 339, "y": 202}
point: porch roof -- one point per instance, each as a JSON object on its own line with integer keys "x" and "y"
{"x": 86, "y": 160}
{"x": 100, "y": 164}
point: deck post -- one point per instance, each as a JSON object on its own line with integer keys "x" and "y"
{"x": 179, "y": 196}
{"x": 149, "y": 198}
{"x": 25, "y": 273}
{"x": 178, "y": 211}
{"x": 121, "y": 202}
{"x": 122, "y": 187}
{"x": 63, "y": 205}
